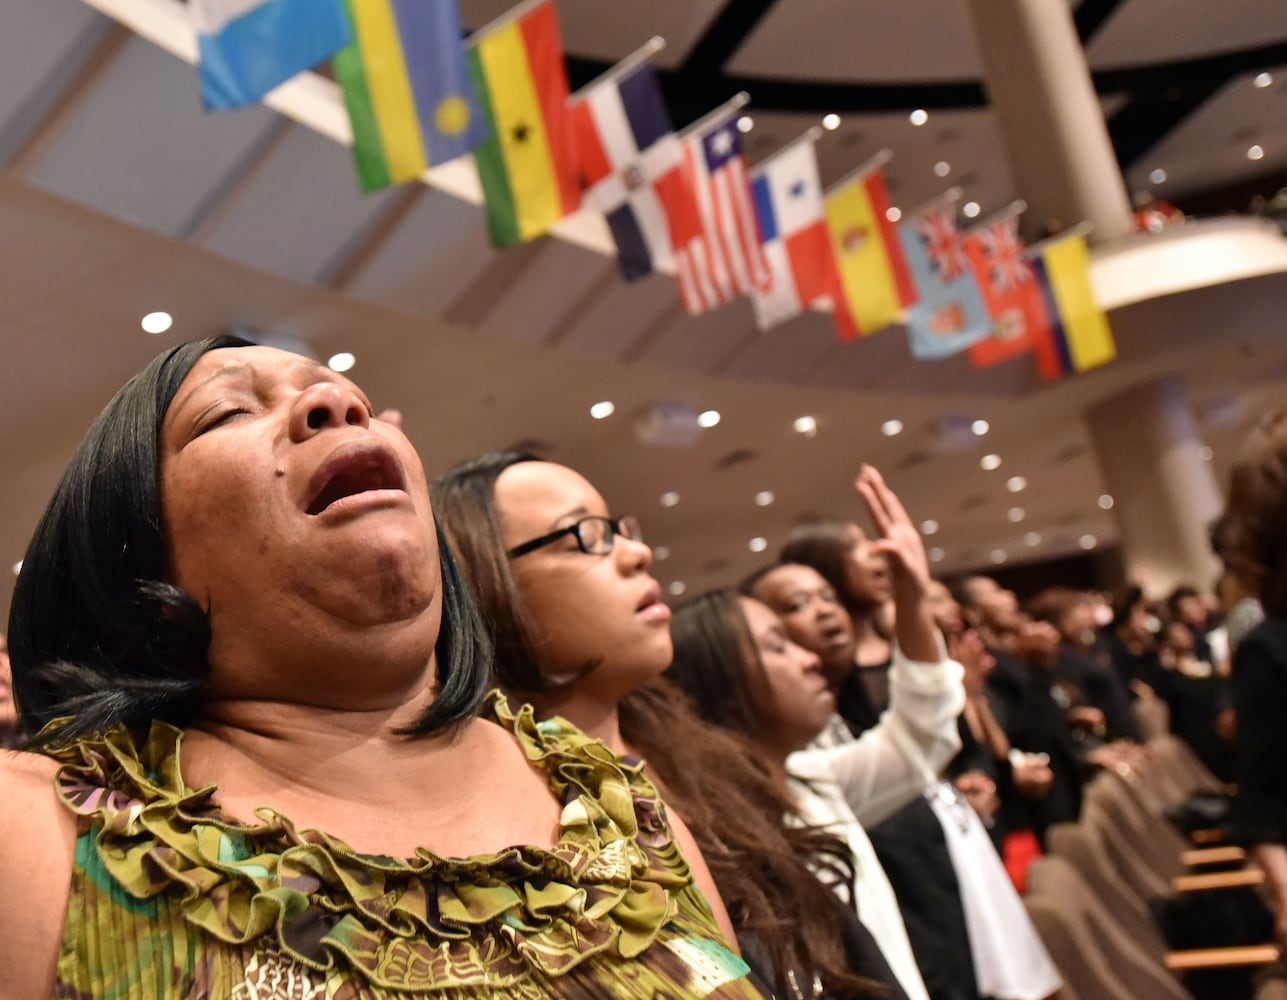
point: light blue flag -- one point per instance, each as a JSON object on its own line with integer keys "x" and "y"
{"x": 949, "y": 315}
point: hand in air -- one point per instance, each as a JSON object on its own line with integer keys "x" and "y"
{"x": 897, "y": 537}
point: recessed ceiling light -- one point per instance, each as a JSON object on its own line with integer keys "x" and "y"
{"x": 1015, "y": 514}
{"x": 942, "y": 168}
{"x": 980, "y": 427}
{"x": 936, "y": 554}
{"x": 891, "y": 427}
{"x": 17, "y": 567}
{"x": 677, "y": 587}
{"x": 1157, "y": 176}
{"x": 998, "y": 556}
{"x": 669, "y": 498}
{"x": 1016, "y": 484}
{"x": 893, "y": 213}
{"x": 918, "y": 117}
{"x": 806, "y": 426}
{"x": 660, "y": 552}
{"x": 157, "y": 322}
{"x": 929, "y": 526}
{"x": 708, "y": 418}
{"x": 757, "y": 544}
{"x": 341, "y": 362}
{"x": 1263, "y": 80}
{"x": 990, "y": 462}
{"x": 971, "y": 209}
{"x": 1106, "y": 502}
{"x": 1032, "y": 539}
{"x": 745, "y": 124}
{"x": 831, "y": 122}
{"x": 764, "y": 498}
{"x": 1256, "y": 152}
{"x": 1088, "y": 542}
{"x": 603, "y": 410}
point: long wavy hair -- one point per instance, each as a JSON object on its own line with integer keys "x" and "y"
{"x": 99, "y": 636}
{"x": 726, "y": 790}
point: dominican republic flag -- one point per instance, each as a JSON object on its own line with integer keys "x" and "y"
{"x": 949, "y": 314}
{"x": 723, "y": 259}
{"x": 632, "y": 168}
{"x": 1011, "y": 293}
{"x": 248, "y": 47}
{"x": 794, "y": 236}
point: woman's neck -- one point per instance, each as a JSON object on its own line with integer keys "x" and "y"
{"x": 598, "y": 718}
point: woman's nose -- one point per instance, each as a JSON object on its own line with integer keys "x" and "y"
{"x": 631, "y": 556}
{"x": 323, "y": 405}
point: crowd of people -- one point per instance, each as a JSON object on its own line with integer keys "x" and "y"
{"x": 297, "y": 722}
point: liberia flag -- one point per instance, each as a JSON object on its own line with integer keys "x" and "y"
{"x": 632, "y": 168}
{"x": 723, "y": 259}
{"x": 948, "y": 315}
{"x": 794, "y": 236}
{"x": 1011, "y": 293}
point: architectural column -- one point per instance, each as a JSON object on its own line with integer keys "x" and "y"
{"x": 1165, "y": 494}
{"x": 1039, "y": 85}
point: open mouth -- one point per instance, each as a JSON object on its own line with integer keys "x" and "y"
{"x": 651, "y": 596}
{"x": 360, "y": 469}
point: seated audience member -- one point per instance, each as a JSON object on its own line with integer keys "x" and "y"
{"x": 581, "y": 633}
{"x": 265, "y": 763}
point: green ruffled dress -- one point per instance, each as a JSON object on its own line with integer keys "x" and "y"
{"x": 169, "y": 899}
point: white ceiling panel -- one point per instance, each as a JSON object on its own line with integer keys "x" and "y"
{"x": 613, "y": 319}
{"x": 535, "y": 303}
{"x": 1148, "y": 31}
{"x": 704, "y": 343}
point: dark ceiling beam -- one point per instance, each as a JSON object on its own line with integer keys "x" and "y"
{"x": 1143, "y": 122}
{"x": 725, "y": 35}
{"x": 1091, "y": 15}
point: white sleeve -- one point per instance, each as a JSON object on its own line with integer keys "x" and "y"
{"x": 895, "y": 760}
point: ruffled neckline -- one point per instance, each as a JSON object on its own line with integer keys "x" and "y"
{"x": 609, "y": 884}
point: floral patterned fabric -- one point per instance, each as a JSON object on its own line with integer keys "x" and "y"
{"x": 170, "y": 899}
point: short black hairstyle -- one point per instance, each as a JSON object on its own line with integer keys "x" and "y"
{"x": 98, "y": 636}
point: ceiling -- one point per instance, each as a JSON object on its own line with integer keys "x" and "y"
{"x": 118, "y": 197}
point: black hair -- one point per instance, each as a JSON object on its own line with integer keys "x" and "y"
{"x": 716, "y": 663}
{"x": 98, "y": 636}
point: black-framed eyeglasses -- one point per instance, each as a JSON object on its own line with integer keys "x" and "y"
{"x": 594, "y": 535}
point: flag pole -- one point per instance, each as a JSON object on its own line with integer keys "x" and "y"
{"x": 511, "y": 15}
{"x": 812, "y": 134}
{"x": 636, "y": 59}
{"x": 1082, "y": 228}
{"x": 879, "y": 160}
{"x": 1016, "y": 207}
{"x": 726, "y": 110}
{"x": 949, "y": 197}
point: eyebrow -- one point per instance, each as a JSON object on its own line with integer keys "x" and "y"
{"x": 576, "y": 513}
{"x": 226, "y": 372}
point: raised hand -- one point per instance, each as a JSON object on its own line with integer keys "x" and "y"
{"x": 897, "y": 536}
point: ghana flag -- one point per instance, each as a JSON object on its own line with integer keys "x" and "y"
{"x": 528, "y": 165}
{"x": 407, "y": 89}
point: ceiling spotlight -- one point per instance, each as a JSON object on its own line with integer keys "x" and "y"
{"x": 764, "y": 498}
{"x": 891, "y": 427}
{"x": 971, "y": 210}
{"x": 1106, "y": 502}
{"x": 341, "y": 362}
{"x": 1032, "y": 539}
{"x": 603, "y": 410}
{"x": 157, "y": 322}
{"x": 929, "y": 526}
{"x": 806, "y": 426}
{"x": 936, "y": 554}
{"x": 708, "y": 418}
{"x": 677, "y": 587}
{"x": 980, "y": 427}
{"x": 893, "y": 213}
{"x": 1205, "y": 453}
{"x": 990, "y": 462}
{"x": 757, "y": 544}
{"x": 918, "y": 117}
{"x": 1015, "y": 514}
{"x": 1263, "y": 80}
{"x": 669, "y": 498}
{"x": 745, "y": 124}
{"x": 1158, "y": 176}
{"x": 998, "y": 556}
{"x": 831, "y": 122}
{"x": 1088, "y": 542}
{"x": 1255, "y": 153}
{"x": 1016, "y": 484}
{"x": 942, "y": 168}
{"x": 660, "y": 552}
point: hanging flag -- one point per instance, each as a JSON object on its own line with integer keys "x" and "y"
{"x": 528, "y": 165}
{"x": 1080, "y": 337}
{"x": 248, "y": 47}
{"x": 949, "y": 314}
{"x": 794, "y": 237}
{"x": 632, "y": 167}
{"x": 1011, "y": 293}
{"x": 407, "y": 88}
{"x": 723, "y": 259}
{"x": 875, "y": 279}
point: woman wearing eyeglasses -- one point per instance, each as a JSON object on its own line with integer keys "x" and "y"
{"x": 581, "y": 632}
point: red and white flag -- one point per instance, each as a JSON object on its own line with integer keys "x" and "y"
{"x": 723, "y": 260}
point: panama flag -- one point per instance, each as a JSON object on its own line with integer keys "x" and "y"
{"x": 632, "y": 167}
{"x": 248, "y": 47}
{"x": 793, "y": 232}
{"x": 949, "y": 314}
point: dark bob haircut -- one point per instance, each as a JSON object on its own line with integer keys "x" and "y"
{"x": 825, "y": 546}
{"x": 98, "y": 636}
